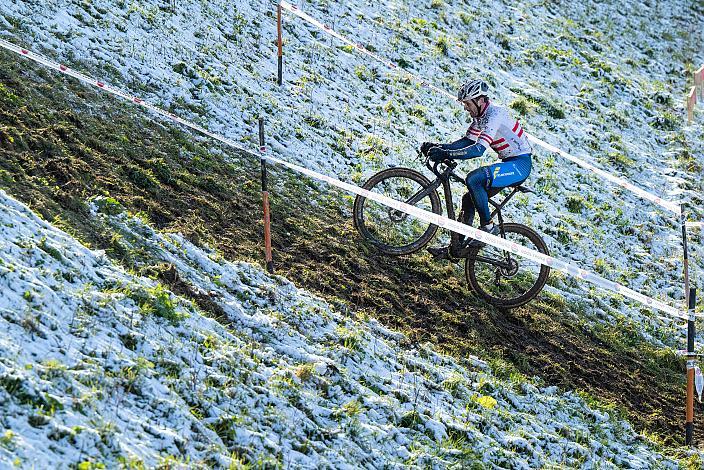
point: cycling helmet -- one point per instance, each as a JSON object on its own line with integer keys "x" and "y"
{"x": 472, "y": 89}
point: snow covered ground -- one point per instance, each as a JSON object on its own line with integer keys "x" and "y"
{"x": 108, "y": 367}
{"x": 100, "y": 366}
{"x": 602, "y": 80}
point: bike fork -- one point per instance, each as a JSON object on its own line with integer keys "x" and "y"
{"x": 422, "y": 193}
{"x": 397, "y": 215}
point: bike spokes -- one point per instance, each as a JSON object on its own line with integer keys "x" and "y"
{"x": 391, "y": 227}
{"x": 505, "y": 283}
{"x": 505, "y": 279}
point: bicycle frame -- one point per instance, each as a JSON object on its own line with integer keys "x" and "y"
{"x": 443, "y": 178}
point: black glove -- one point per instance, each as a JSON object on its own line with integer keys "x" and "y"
{"x": 437, "y": 154}
{"x": 427, "y": 146}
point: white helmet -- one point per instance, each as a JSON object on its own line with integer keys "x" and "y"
{"x": 472, "y": 89}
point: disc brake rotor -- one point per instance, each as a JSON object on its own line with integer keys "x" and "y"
{"x": 396, "y": 215}
{"x": 512, "y": 270}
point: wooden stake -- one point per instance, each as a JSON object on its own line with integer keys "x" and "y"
{"x": 691, "y": 332}
{"x": 699, "y": 82}
{"x": 280, "y": 77}
{"x": 689, "y": 405}
{"x": 691, "y": 101}
{"x": 265, "y": 201}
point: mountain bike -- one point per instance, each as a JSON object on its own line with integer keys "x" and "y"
{"x": 498, "y": 276}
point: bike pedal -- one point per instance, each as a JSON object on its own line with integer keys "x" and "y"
{"x": 475, "y": 243}
{"x": 439, "y": 253}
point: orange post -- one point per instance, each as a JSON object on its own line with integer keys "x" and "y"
{"x": 689, "y": 426}
{"x": 280, "y": 41}
{"x": 267, "y": 234}
{"x": 691, "y": 355}
{"x": 689, "y": 302}
{"x": 265, "y": 200}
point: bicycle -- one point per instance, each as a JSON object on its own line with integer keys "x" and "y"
{"x": 497, "y": 276}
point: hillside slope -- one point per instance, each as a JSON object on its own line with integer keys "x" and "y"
{"x": 103, "y": 367}
{"x": 91, "y": 147}
{"x": 600, "y": 79}
{"x": 580, "y": 77}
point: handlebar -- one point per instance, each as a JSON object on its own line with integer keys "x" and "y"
{"x": 449, "y": 164}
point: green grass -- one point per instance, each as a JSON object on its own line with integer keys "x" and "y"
{"x": 442, "y": 44}
{"x": 50, "y": 250}
{"x": 529, "y": 101}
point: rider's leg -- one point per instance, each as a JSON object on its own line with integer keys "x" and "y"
{"x": 466, "y": 216}
{"x": 468, "y": 209}
{"x": 478, "y": 183}
{"x": 485, "y": 181}
{"x": 509, "y": 172}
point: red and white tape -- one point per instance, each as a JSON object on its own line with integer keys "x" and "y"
{"x": 493, "y": 240}
{"x": 421, "y": 214}
{"x": 671, "y": 206}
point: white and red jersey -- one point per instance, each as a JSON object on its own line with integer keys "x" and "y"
{"x": 496, "y": 129}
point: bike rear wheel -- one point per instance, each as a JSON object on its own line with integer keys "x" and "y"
{"x": 391, "y": 231}
{"x": 515, "y": 283}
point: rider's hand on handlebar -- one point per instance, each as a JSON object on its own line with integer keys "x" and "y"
{"x": 437, "y": 154}
{"x": 425, "y": 146}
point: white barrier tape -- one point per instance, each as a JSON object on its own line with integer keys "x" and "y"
{"x": 684, "y": 352}
{"x": 493, "y": 240}
{"x": 671, "y": 206}
{"x": 427, "y": 216}
{"x": 110, "y": 89}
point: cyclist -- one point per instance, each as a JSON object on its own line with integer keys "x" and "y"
{"x": 492, "y": 126}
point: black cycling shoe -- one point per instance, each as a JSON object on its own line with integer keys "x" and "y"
{"x": 489, "y": 228}
{"x": 439, "y": 252}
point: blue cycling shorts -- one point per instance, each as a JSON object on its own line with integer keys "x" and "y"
{"x": 509, "y": 172}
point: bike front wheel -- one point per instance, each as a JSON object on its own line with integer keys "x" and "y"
{"x": 391, "y": 231}
{"x": 502, "y": 278}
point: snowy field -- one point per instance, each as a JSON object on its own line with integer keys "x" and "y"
{"x": 580, "y": 75}
{"x": 99, "y": 366}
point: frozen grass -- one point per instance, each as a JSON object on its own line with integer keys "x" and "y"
{"x": 92, "y": 378}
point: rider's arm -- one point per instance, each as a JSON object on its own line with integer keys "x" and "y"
{"x": 463, "y": 149}
{"x": 458, "y": 144}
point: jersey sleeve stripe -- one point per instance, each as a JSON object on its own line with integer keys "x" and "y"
{"x": 486, "y": 138}
{"x": 503, "y": 147}
{"x": 520, "y": 133}
{"x": 515, "y": 127}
